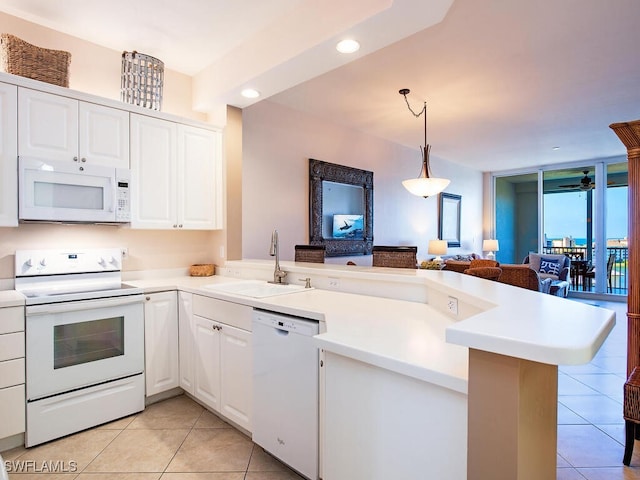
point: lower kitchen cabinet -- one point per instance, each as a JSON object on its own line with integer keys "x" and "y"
{"x": 185, "y": 341}
{"x": 206, "y": 339}
{"x": 12, "y": 379}
{"x": 161, "y": 342}
{"x": 221, "y": 357}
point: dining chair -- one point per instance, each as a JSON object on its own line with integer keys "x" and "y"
{"x": 397, "y": 257}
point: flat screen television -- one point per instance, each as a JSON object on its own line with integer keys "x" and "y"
{"x": 348, "y": 226}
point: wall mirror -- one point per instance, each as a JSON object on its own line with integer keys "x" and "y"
{"x": 340, "y": 208}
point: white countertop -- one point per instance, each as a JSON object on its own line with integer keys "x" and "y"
{"x": 419, "y": 339}
{"x": 397, "y": 318}
{"x": 11, "y": 298}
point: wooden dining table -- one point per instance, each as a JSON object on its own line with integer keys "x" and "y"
{"x": 578, "y": 270}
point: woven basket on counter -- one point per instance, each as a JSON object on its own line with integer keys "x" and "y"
{"x": 21, "y": 58}
{"x": 201, "y": 270}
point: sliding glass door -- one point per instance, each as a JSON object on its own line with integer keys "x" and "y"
{"x": 579, "y": 211}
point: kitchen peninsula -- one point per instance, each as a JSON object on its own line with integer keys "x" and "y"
{"x": 418, "y": 363}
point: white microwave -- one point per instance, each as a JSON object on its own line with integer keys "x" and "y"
{"x": 72, "y": 192}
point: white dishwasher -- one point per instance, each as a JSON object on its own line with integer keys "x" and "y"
{"x": 285, "y": 389}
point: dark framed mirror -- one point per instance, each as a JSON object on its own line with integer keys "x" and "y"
{"x": 340, "y": 208}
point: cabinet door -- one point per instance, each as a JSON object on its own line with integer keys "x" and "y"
{"x": 161, "y": 342}
{"x": 206, "y": 366}
{"x": 153, "y": 173}
{"x": 47, "y": 126}
{"x": 8, "y": 155}
{"x": 12, "y": 411}
{"x": 236, "y": 375}
{"x": 199, "y": 178}
{"x": 104, "y": 135}
{"x": 185, "y": 340}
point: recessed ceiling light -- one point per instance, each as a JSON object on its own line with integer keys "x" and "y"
{"x": 348, "y": 46}
{"x": 250, "y": 93}
{"x": 555, "y": 148}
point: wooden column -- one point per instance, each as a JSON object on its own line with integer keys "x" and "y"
{"x": 512, "y": 418}
{"x": 629, "y": 134}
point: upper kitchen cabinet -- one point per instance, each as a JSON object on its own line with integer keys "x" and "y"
{"x": 176, "y": 175}
{"x": 53, "y": 127}
{"x": 8, "y": 156}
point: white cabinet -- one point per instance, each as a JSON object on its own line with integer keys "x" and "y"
{"x": 176, "y": 174}
{"x": 185, "y": 341}
{"x": 161, "y": 342}
{"x": 12, "y": 372}
{"x": 53, "y": 127}
{"x": 236, "y": 370}
{"x": 8, "y": 156}
{"x": 206, "y": 339}
{"x": 222, "y": 358}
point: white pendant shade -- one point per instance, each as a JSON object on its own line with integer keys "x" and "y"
{"x": 425, "y": 187}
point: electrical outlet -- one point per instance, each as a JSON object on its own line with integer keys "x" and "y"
{"x": 124, "y": 251}
{"x": 452, "y": 305}
{"x": 334, "y": 282}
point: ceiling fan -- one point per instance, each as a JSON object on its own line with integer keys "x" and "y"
{"x": 585, "y": 183}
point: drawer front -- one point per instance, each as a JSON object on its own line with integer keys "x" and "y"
{"x": 233, "y": 314}
{"x": 11, "y": 319}
{"x": 11, "y": 346}
{"x": 12, "y": 411}
{"x": 11, "y": 372}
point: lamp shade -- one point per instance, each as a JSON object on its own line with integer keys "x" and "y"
{"x": 437, "y": 247}
{"x": 426, "y": 186}
{"x": 490, "y": 245}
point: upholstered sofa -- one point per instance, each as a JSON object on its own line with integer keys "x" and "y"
{"x": 524, "y": 277}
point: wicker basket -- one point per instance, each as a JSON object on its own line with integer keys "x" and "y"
{"x": 21, "y": 58}
{"x": 142, "y": 80}
{"x": 201, "y": 270}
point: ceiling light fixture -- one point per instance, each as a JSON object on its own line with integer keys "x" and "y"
{"x": 425, "y": 185}
{"x": 348, "y": 46}
{"x": 250, "y": 93}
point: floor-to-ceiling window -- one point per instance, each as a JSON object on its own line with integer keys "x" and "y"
{"x": 516, "y": 218}
{"x": 577, "y": 210}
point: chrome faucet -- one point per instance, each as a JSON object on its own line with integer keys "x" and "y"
{"x": 278, "y": 274}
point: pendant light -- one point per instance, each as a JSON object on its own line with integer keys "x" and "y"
{"x": 425, "y": 185}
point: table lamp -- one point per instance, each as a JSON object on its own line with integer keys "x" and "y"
{"x": 437, "y": 248}
{"x": 490, "y": 246}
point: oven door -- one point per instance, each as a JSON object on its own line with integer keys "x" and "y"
{"x": 72, "y": 345}
{"x": 66, "y": 191}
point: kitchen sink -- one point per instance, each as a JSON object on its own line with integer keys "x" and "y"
{"x": 256, "y": 288}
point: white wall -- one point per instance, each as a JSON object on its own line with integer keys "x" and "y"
{"x": 277, "y": 145}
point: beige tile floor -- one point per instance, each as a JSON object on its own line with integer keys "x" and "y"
{"x": 177, "y": 439}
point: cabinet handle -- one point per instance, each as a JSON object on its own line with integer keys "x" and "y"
{"x": 148, "y": 298}
{"x": 175, "y": 226}
{"x": 83, "y": 159}
{"x": 82, "y": 169}
{"x": 216, "y": 327}
{"x": 75, "y": 159}
{"x": 180, "y": 226}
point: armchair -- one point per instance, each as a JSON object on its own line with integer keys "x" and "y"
{"x": 524, "y": 277}
{"x": 543, "y": 265}
{"x": 489, "y": 269}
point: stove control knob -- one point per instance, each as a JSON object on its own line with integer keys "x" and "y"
{"x": 43, "y": 262}
{"x": 102, "y": 262}
{"x": 113, "y": 261}
{"x": 28, "y": 263}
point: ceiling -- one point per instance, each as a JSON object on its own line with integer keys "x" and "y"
{"x": 508, "y": 83}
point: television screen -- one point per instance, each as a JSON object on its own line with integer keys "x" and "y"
{"x": 348, "y": 226}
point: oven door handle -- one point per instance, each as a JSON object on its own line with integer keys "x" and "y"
{"x": 82, "y": 305}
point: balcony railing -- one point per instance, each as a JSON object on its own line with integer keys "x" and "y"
{"x": 616, "y": 279}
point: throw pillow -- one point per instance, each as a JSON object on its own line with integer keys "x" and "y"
{"x": 550, "y": 266}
